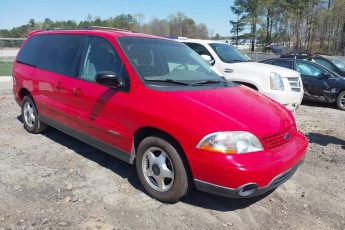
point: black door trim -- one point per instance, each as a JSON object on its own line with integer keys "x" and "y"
{"x": 109, "y": 149}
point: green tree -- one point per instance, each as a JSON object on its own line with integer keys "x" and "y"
{"x": 32, "y": 23}
{"x": 251, "y": 10}
{"x": 125, "y": 21}
{"x": 188, "y": 28}
{"x": 238, "y": 25}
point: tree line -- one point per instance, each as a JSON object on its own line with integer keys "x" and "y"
{"x": 315, "y": 26}
{"x": 174, "y": 25}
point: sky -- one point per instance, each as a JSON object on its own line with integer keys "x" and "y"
{"x": 215, "y": 14}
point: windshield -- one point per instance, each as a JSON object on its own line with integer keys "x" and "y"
{"x": 229, "y": 54}
{"x": 280, "y": 49}
{"x": 340, "y": 64}
{"x": 165, "y": 62}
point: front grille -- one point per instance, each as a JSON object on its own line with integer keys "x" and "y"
{"x": 279, "y": 139}
{"x": 295, "y": 84}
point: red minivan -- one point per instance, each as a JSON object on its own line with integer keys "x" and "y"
{"x": 155, "y": 103}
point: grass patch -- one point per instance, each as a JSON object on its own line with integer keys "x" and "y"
{"x": 6, "y": 68}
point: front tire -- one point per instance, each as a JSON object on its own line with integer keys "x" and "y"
{"x": 30, "y": 116}
{"x": 161, "y": 170}
{"x": 341, "y": 100}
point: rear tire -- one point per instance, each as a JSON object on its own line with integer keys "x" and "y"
{"x": 30, "y": 116}
{"x": 161, "y": 170}
{"x": 341, "y": 100}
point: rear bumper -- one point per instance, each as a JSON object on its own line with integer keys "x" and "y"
{"x": 246, "y": 190}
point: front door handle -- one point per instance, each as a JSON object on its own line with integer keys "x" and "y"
{"x": 76, "y": 92}
{"x": 228, "y": 70}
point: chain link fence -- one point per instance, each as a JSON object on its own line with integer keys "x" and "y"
{"x": 9, "y": 48}
{"x": 260, "y": 56}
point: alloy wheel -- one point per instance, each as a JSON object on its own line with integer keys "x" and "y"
{"x": 29, "y": 116}
{"x": 158, "y": 169}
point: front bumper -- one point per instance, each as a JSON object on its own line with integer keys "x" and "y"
{"x": 291, "y": 100}
{"x": 246, "y": 190}
{"x": 227, "y": 174}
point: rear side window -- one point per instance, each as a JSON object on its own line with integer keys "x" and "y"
{"x": 283, "y": 63}
{"x": 60, "y": 53}
{"x": 200, "y": 49}
{"x": 29, "y": 52}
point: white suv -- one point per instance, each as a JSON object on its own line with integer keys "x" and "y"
{"x": 280, "y": 84}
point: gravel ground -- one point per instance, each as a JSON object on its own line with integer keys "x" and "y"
{"x": 52, "y": 181}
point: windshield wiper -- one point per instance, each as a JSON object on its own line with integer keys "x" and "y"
{"x": 168, "y": 81}
{"x": 209, "y": 82}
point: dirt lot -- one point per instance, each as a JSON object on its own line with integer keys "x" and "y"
{"x": 54, "y": 181}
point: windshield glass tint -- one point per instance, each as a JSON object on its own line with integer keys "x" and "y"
{"x": 159, "y": 60}
{"x": 340, "y": 64}
{"x": 227, "y": 53}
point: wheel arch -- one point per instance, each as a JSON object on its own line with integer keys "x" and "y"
{"x": 337, "y": 98}
{"x": 22, "y": 93}
{"x": 148, "y": 131}
{"x": 340, "y": 91}
{"x": 250, "y": 85}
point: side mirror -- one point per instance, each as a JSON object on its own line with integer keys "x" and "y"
{"x": 207, "y": 58}
{"x": 110, "y": 79}
{"x": 326, "y": 75}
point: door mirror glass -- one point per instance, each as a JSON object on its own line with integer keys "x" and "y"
{"x": 110, "y": 79}
{"x": 208, "y": 58}
{"x": 326, "y": 75}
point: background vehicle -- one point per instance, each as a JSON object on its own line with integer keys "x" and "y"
{"x": 286, "y": 52}
{"x": 277, "y": 83}
{"x": 320, "y": 83}
{"x": 157, "y": 103}
{"x": 331, "y": 63}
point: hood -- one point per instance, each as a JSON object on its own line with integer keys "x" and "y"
{"x": 237, "y": 108}
{"x": 245, "y": 68}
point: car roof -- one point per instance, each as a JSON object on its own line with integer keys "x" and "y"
{"x": 328, "y": 57}
{"x": 199, "y": 41}
{"x": 287, "y": 59}
{"x": 299, "y": 60}
{"x": 97, "y": 32}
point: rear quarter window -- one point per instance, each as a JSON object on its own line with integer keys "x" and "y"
{"x": 30, "y": 51}
{"x": 60, "y": 53}
{"x": 283, "y": 63}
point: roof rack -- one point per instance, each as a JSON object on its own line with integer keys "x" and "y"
{"x": 93, "y": 28}
{"x": 106, "y": 28}
{"x": 176, "y": 37}
{"x": 34, "y": 31}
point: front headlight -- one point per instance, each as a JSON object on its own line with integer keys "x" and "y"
{"x": 276, "y": 81}
{"x": 230, "y": 142}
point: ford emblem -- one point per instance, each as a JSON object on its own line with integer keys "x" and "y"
{"x": 287, "y": 136}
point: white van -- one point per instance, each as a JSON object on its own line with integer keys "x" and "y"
{"x": 280, "y": 84}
